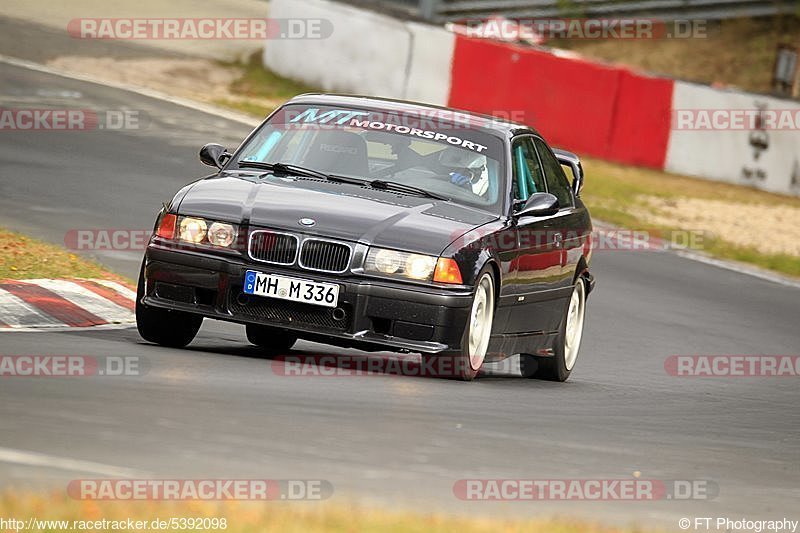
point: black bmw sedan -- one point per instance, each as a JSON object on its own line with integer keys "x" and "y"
{"x": 380, "y": 224}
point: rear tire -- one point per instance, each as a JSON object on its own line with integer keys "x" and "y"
{"x": 174, "y": 329}
{"x": 273, "y": 341}
{"x": 466, "y": 363}
{"x": 568, "y": 342}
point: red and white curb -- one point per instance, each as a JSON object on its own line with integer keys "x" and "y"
{"x": 57, "y": 304}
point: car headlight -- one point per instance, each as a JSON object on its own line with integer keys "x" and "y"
{"x": 192, "y": 230}
{"x": 221, "y": 234}
{"x": 404, "y": 264}
{"x": 387, "y": 261}
{"x": 420, "y": 266}
{"x": 196, "y": 230}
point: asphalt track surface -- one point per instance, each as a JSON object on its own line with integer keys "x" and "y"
{"x": 217, "y": 410}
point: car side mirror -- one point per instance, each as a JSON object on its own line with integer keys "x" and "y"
{"x": 214, "y": 155}
{"x": 540, "y": 204}
{"x": 573, "y": 162}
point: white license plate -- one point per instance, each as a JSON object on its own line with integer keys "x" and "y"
{"x": 294, "y": 289}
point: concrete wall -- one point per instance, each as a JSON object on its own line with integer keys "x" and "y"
{"x": 767, "y": 159}
{"x": 367, "y": 53}
{"x": 430, "y": 71}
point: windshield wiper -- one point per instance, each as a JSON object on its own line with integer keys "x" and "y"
{"x": 284, "y": 168}
{"x": 402, "y": 187}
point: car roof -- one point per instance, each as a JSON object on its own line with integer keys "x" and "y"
{"x": 487, "y": 122}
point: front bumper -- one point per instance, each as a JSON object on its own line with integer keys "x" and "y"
{"x": 377, "y": 313}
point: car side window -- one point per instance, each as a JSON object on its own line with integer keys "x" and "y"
{"x": 557, "y": 182}
{"x": 528, "y": 177}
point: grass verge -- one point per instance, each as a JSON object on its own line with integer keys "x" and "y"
{"x": 260, "y": 91}
{"x": 22, "y": 257}
{"x": 298, "y": 517}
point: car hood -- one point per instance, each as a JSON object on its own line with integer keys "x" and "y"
{"x": 341, "y": 211}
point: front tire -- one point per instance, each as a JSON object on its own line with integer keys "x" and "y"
{"x": 465, "y": 363}
{"x": 271, "y": 340}
{"x": 568, "y": 342}
{"x": 174, "y": 329}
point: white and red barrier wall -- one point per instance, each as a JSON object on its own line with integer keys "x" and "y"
{"x": 602, "y": 110}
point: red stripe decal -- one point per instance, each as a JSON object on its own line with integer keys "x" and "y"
{"x": 52, "y": 304}
{"x": 106, "y": 292}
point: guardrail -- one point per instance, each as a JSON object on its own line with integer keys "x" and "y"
{"x": 454, "y": 10}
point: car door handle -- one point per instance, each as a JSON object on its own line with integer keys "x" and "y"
{"x": 558, "y": 240}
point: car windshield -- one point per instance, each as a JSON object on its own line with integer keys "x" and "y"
{"x": 452, "y": 159}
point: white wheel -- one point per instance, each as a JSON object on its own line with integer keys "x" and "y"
{"x": 565, "y": 350}
{"x": 467, "y": 361}
{"x": 574, "y": 330}
{"x": 480, "y": 321}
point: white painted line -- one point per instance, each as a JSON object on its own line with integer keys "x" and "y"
{"x": 120, "y": 255}
{"x": 733, "y": 266}
{"x": 740, "y": 268}
{"x": 86, "y": 299}
{"x": 58, "y": 329}
{"x": 119, "y": 287}
{"x": 17, "y": 313}
{"x": 23, "y": 457}
{"x": 150, "y": 93}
